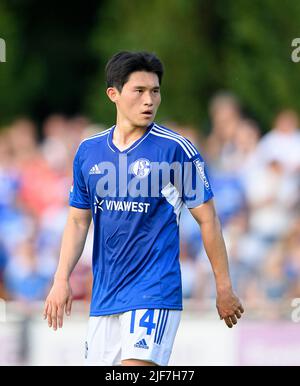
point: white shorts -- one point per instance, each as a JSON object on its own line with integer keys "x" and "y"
{"x": 145, "y": 334}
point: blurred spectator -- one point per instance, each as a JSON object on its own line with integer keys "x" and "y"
{"x": 291, "y": 255}
{"x": 55, "y": 144}
{"x": 226, "y": 116}
{"x": 243, "y": 156}
{"x": 271, "y": 196}
{"x": 23, "y": 141}
{"x": 26, "y": 277}
{"x": 275, "y": 282}
{"x": 9, "y": 181}
{"x": 229, "y": 195}
{"x": 40, "y": 186}
{"x": 282, "y": 143}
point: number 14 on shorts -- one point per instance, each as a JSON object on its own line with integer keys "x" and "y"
{"x": 147, "y": 321}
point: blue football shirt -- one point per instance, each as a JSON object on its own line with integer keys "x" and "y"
{"x": 136, "y": 197}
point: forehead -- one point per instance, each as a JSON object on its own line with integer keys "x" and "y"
{"x": 143, "y": 78}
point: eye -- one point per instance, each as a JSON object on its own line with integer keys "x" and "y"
{"x": 139, "y": 91}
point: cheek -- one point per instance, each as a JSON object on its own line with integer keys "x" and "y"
{"x": 131, "y": 100}
{"x": 158, "y": 100}
{"x": 127, "y": 103}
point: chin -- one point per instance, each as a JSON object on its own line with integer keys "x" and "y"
{"x": 142, "y": 122}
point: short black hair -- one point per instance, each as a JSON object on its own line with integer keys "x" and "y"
{"x": 122, "y": 64}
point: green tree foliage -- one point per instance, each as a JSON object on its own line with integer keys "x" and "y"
{"x": 20, "y": 75}
{"x": 170, "y": 29}
{"x": 238, "y": 45}
{"x": 48, "y": 65}
{"x": 256, "y": 54}
{"x": 56, "y": 53}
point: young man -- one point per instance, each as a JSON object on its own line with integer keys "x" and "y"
{"x": 133, "y": 179}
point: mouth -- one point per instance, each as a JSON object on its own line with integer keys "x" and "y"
{"x": 147, "y": 113}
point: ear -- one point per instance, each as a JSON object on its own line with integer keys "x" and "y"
{"x": 112, "y": 93}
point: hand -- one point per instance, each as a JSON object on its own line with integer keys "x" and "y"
{"x": 58, "y": 301}
{"x": 229, "y": 307}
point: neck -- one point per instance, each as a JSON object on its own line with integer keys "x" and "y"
{"x": 125, "y": 133}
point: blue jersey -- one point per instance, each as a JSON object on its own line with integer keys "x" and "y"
{"x": 136, "y": 196}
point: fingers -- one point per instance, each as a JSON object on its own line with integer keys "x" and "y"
{"x": 239, "y": 311}
{"x": 233, "y": 319}
{"x": 69, "y": 306}
{"x": 54, "y": 317}
{"x": 60, "y": 316}
{"x": 228, "y": 322}
{"x": 49, "y": 309}
{"x": 229, "y": 308}
{"x": 58, "y": 300}
{"x": 45, "y": 311}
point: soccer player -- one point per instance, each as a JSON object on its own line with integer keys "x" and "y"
{"x": 133, "y": 180}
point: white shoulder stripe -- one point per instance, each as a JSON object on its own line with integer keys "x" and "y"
{"x": 158, "y": 134}
{"x": 97, "y": 135}
{"x": 188, "y": 144}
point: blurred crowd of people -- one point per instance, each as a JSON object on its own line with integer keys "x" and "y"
{"x": 35, "y": 178}
{"x": 256, "y": 183}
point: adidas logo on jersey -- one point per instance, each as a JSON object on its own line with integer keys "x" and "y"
{"x": 95, "y": 170}
{"x": 141, "y": 344}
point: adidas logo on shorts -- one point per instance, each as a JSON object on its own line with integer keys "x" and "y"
{"x": 141, "y": 344}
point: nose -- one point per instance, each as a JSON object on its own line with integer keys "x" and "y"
{"x": 148, "y": 99}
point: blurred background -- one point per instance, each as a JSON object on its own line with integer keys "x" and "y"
{"x": 231, "y": 87}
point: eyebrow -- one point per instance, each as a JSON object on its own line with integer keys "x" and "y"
{"x": 143, "y": 87}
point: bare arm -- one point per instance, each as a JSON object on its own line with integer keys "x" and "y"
{"x": 228, "y": 305}
{"x": 74, "y": 237}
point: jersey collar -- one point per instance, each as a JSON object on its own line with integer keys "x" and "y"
{"x": 132, "y": 146}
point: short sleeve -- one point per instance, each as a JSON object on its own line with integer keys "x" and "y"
{"x": 196, "y": 187}
{"x": 79, "y": 197}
